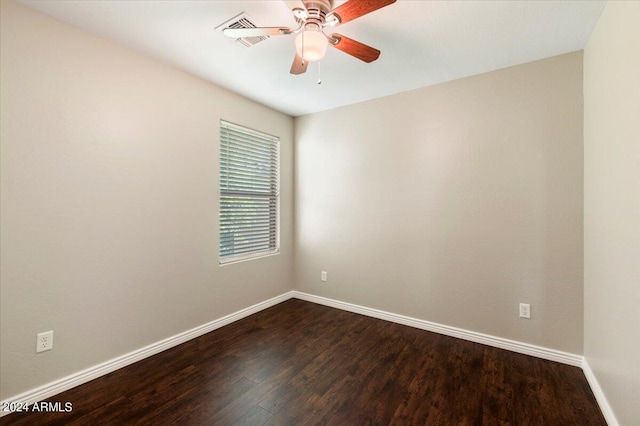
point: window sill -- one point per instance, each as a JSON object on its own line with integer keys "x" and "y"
{"x": 247, "y": 258}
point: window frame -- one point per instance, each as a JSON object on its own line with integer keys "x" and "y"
{"x": 271, "y": 143}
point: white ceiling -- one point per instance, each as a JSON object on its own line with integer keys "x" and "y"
{"x": 422, "y": 43}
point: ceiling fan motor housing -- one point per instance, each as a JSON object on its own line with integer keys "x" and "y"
{"x": 316, "y": 13}
{"x": 322, "y": 5}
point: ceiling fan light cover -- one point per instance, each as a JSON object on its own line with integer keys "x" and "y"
{"x": 315, "y": 45}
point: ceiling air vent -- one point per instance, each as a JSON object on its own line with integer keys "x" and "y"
{"x": 242, "y": 21}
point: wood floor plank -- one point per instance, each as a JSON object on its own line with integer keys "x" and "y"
{"x": 301, "y": 363}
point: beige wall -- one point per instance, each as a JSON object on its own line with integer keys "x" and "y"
{"x": 612, "y": 207}
{"x": 109, "y": 201}
{"x": 452, "y": 203}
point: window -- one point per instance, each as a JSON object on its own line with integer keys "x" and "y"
{"x": 249, "y": 193}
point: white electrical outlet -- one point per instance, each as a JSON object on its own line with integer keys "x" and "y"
{"x": 525, "y": 310}
{"x": 323, "y": 276}
{"x": 44, "y": 341}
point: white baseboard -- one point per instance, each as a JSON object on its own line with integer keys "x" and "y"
{"x": 599, "y": 394}
{"x": 498, "y": 342}
{"x": 50, "y": 389}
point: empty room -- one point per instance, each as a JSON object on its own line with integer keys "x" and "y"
{"x": 335, "y": 212}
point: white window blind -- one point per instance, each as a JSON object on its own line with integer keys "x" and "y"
{"x": 249, "y": 193}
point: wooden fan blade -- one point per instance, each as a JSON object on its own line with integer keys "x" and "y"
{"x": 255, "y": 32}
{"x": 356, "y": 8}
{"x": 354, "y": 48}
{"x": 298, "y": 66}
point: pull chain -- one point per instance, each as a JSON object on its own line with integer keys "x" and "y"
{"x": 303, "y": 48}
{"x": 319, "y": 79}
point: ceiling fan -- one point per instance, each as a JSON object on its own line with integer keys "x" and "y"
{"x": 313, "y": 17}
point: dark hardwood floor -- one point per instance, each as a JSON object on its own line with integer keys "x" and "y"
{"x": 299, "y": 363}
